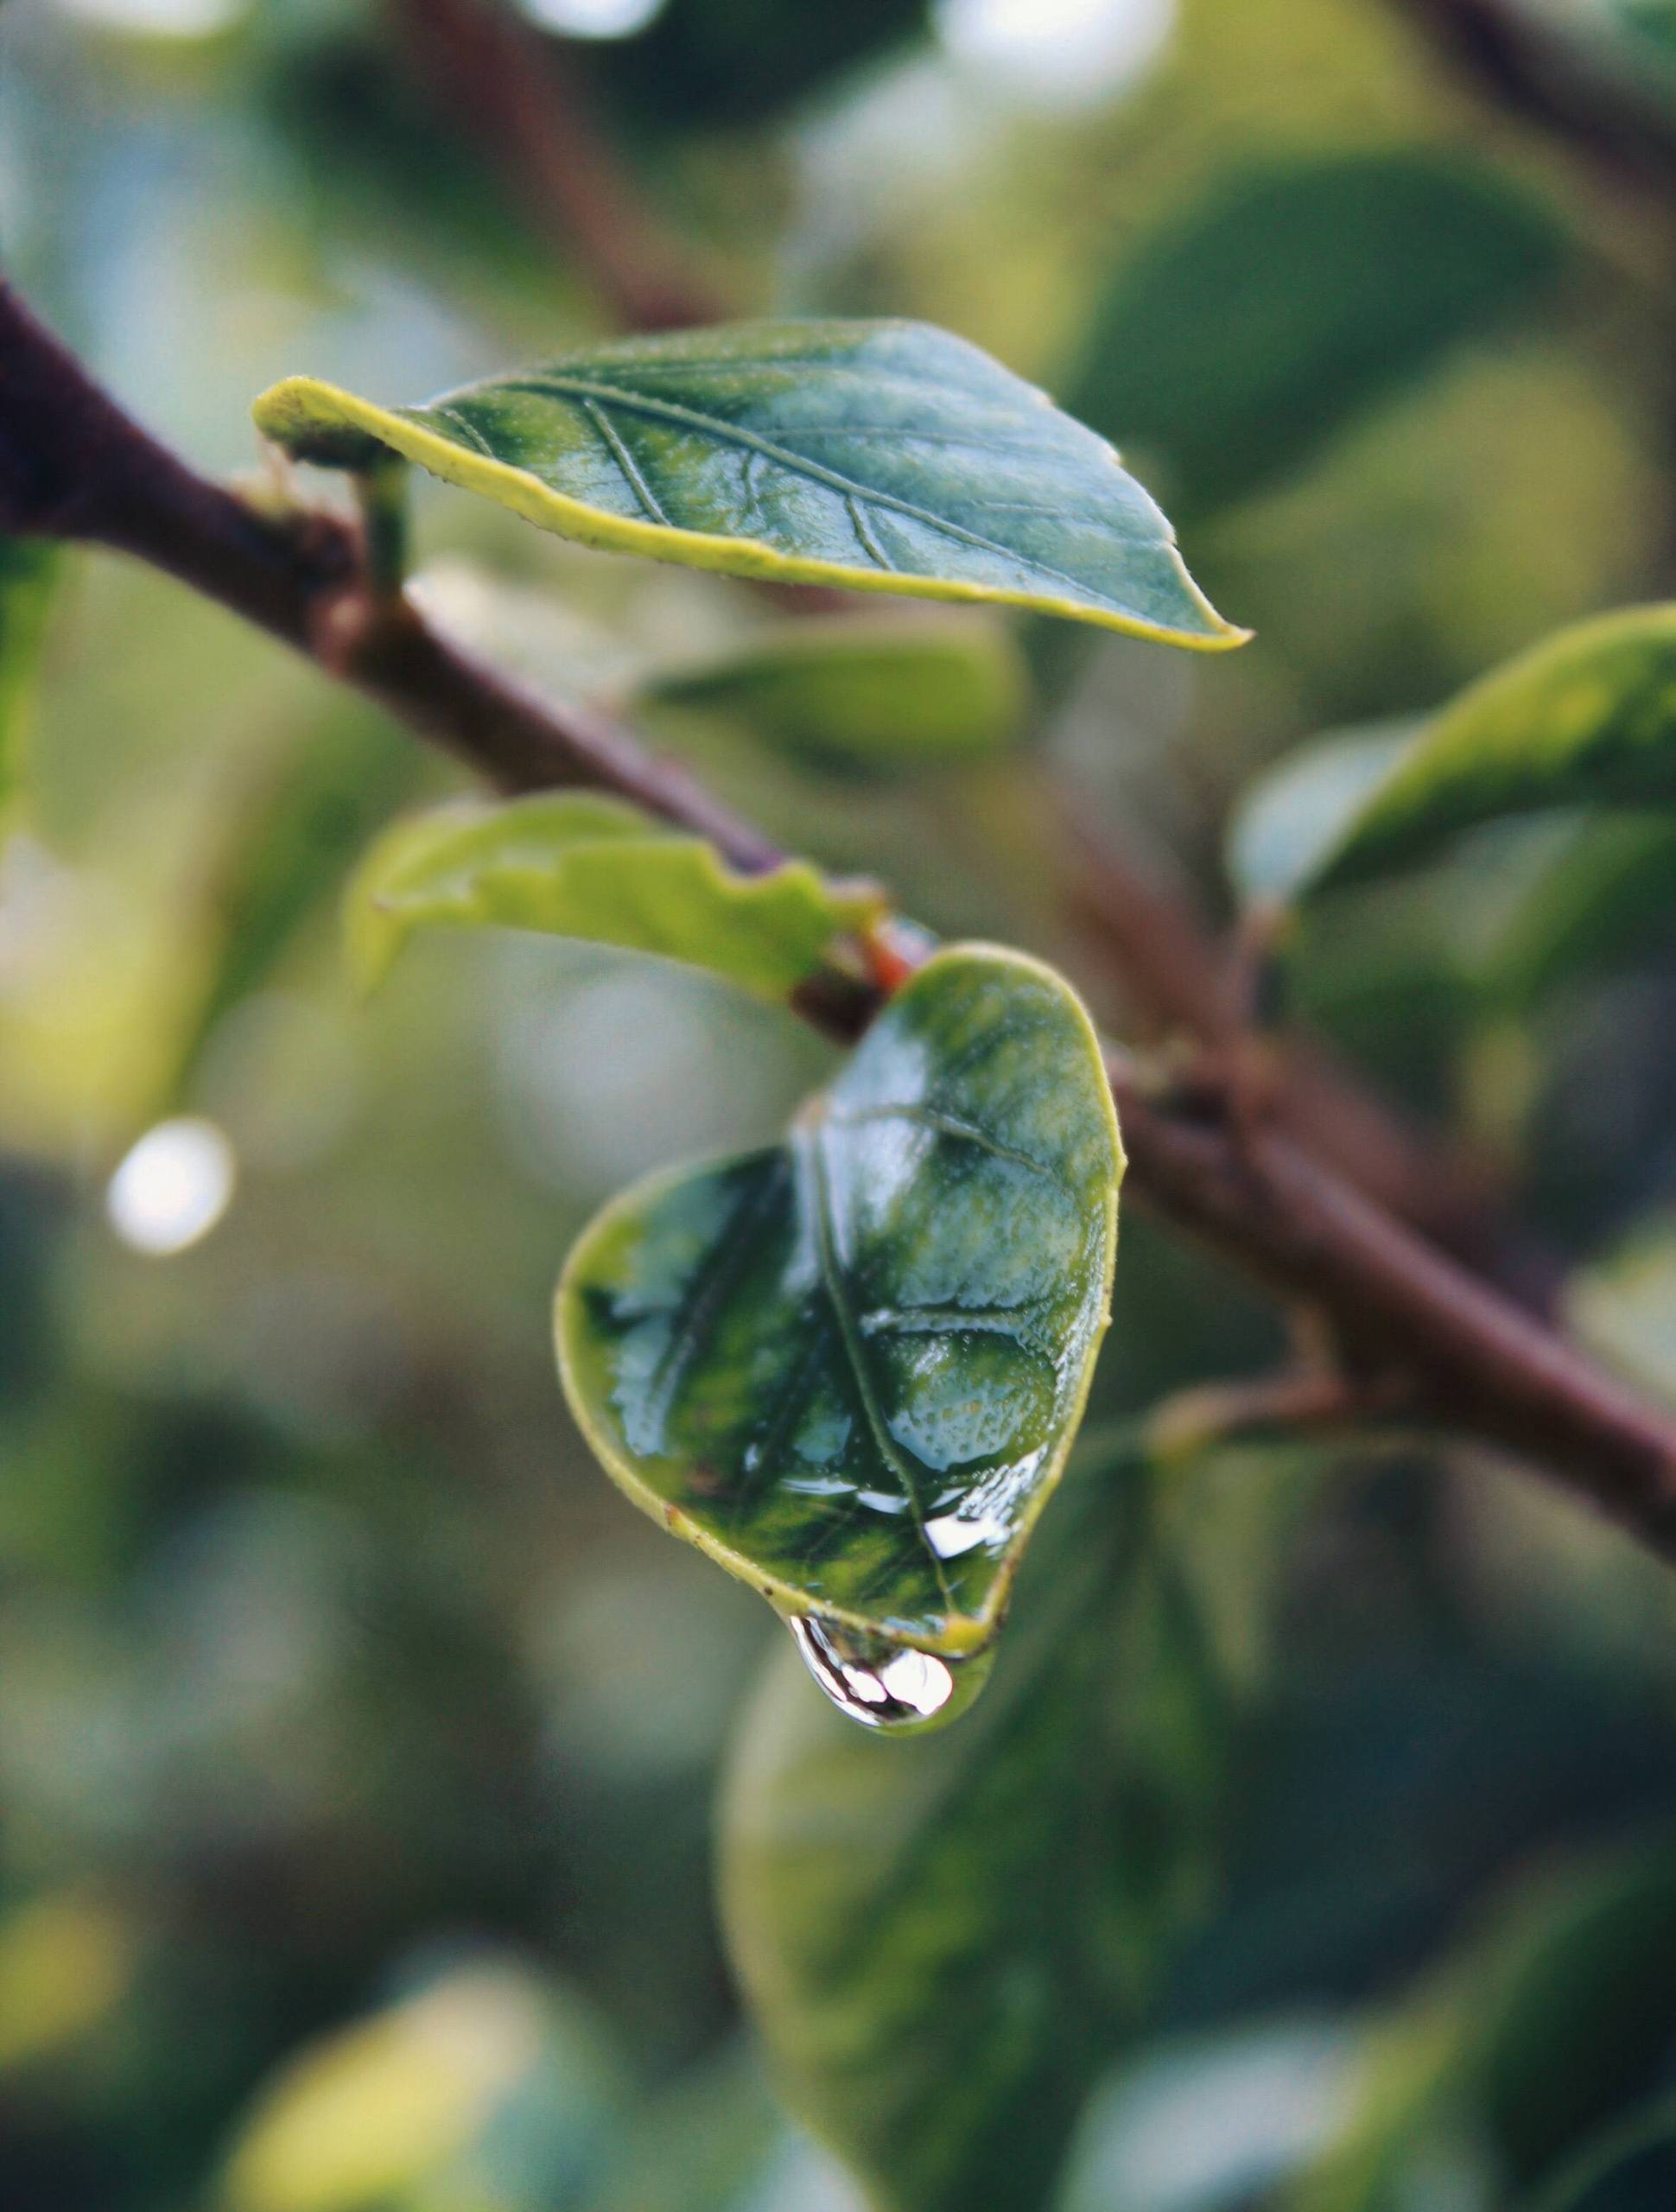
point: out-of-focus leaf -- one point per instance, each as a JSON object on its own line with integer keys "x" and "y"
{"x": 729, "y": 63}
{"x": 718, "y": 2141}
{"x": 1601, "y": 896}
{"x": 1292, "y": 296}
{"x": 287, "y": 848}
{"x": 1288, "y": 817}
{"x": 867, "y": 696}
{"x": 1276, "y": 2089}
{"x": 1624, "y": 1305}
{"x": 880, "y": 456}
{"x": 1532, "y": 2039}
{"x": 28, "y": 568}
{"x": 1629, "y": 2167}
{"x": 488, "y": 2087}
{"x": 67, "y": 1960}
{"x": 1588, "y": 717}
{"x": 943, "y": 1941}
{"x": 576, "y": 865}
{"x": 849, "y": 1368}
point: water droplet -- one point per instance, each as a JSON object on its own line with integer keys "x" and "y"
{"x": 884, "y": 1685}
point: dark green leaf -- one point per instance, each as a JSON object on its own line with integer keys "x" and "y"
{"x": 866, "y": 696}
{"x": 27, "y": 570}
{"x": 1295, "y": 295}
{"x": 882, "y": 456}
{"x": 572, "y": 864}
{"x": 1588, "y": 717}
{"x": 849, "y": 1368}
{"x": 941, "y": 1941}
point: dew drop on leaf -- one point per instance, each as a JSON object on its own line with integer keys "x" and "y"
{"x": 892, "y": 1687}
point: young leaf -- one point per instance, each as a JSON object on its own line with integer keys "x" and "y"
{"x": 1293, "y": 295}
{"x": 1298, "y": 810}
{"x": 849, "y": 1368}
{"x": 576, "y": 865}
{"x": 872, "y": 696}
{"x": 28, "y": 567}
{"x": 1587, "y": 717}
{"x": 941, "y": 1943}
{"x": 882, "y": 456}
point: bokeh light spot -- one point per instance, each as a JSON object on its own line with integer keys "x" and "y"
{"x": 172, "y": 1187}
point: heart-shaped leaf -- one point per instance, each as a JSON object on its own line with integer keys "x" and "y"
{"x": 849, "y": 1368}
{"x": 576, "y": 865}
{"x": 1586, "y": 718}
{"x": 880, "y": 456}
{"x": 873, "y": 696}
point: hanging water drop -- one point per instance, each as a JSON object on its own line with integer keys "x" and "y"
{"x": 883, "y": 1685}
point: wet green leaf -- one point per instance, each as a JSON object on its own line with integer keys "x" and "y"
{"x": 849, "y": 1368}
{"x": 942, "y": 1941}
{"x": 575, "y": 865}
{"x": 1295, "y": 295}
{"x": 1586, "y": 718}
{"x": 863, "y": 696}
{"x": 880, "y": 456}
{"x": 28, "y": 568}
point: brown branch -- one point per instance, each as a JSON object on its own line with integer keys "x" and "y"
{"x": 1410, "y": 1320}
{"x": 523, "y": 98}
{"x": 1535, "y": 72}
{"x": 1175, "y": 982}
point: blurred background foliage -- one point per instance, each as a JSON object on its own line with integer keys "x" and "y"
{"x": 357, "y": 1749}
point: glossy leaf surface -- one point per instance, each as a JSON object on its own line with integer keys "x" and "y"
{"x": 1586, "y": 718}
{"x": 880, "y": 456}
{"x": 1290, "y": 297}
{"x": 940, "y": 1942}
{"x": 849, "y": 1368}
{"x": 575, "y": 865}
{"x": 27, "y": 567}
{"x": 863, "y": 696}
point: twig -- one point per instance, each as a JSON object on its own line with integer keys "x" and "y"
{"x": 1174, "y": 977}
{"x": 1532, "y": 70}
{"x": 520, "y": 97}
{"x": 73, "y": 465}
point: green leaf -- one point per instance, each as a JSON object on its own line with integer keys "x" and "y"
{"x": 576, "y": 865}
{"x": 1599, "y": 898}
{"x": 1292, "y": 296}
{"x": 940, "y": 1942}
{"x": 1296, "y": 811}
{"x": 849, "y": 1368}
{"x": 863, "y": 696}
{"x": 29, "y": 571}
{"x": 1531, "y": 2036}
{"x": 485, "y": 2086}
{"x": 1587, "y": 717}
{"x": 300, "y": 825}
{"x": 880, "y": 456}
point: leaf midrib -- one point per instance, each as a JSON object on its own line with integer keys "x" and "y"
{"x": 584, "y": 390}
{"x": 807, "y": 1146}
